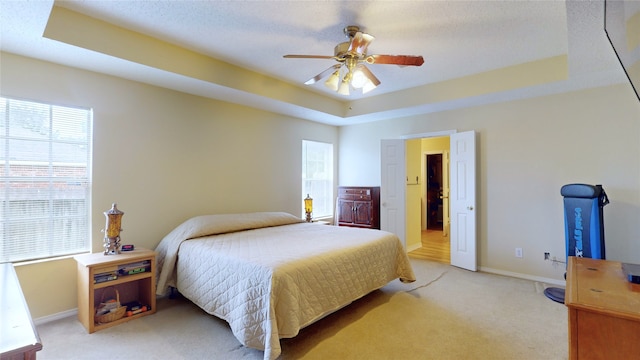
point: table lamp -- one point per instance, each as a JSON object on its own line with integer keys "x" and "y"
{"x": 308, "y": 207}
{"x": 112, "y": 230}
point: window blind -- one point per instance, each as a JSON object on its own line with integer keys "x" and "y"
{"x": 317, "y": 177}
{"x": 45, "y": 154}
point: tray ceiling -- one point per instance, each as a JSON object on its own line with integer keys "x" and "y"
{"x": 475, "y": 52}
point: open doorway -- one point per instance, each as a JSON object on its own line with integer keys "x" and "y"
{"x": 434, "y": 192}
{"x": 434, "y": 239}
{"x": 401, "y": 215}
{"x": 431, "y": 240}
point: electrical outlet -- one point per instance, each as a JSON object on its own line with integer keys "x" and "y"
{"x": 547, "y": 256}
{"x": 519, "y": 252}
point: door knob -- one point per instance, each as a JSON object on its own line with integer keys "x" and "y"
{"x": 469, "y": 207}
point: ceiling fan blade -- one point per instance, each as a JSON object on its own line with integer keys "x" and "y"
{"x": 308, "y": 57}
{"x": 404, "y": 60}
{"x": 323, "y": 74}
{"x": 360, "y": 42}
{"x": 370, "y": 75}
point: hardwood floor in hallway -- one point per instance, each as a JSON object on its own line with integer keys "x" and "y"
{"x": 435, "y": 247}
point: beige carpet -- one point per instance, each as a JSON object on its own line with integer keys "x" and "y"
{"x": 448, "y": 313}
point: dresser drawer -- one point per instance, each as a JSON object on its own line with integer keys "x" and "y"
{"x": 354, "y": 194}
{"x": 355, "y": 197}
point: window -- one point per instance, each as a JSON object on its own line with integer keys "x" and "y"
{"x": 45, "y": 153}
{"x": 317, "y": 177}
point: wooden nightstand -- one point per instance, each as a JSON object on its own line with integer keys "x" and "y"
{"x": 132, "y": 283}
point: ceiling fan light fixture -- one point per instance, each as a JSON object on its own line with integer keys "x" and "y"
{"x": 359, "y": 79}
{"x": 333, "y": 80}
{"x": 344, "y": 88}
{"x": 368, "y": 86}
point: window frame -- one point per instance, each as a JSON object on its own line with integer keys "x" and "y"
{"x": 45, "y": 195}
{"x": 321, "y": 194}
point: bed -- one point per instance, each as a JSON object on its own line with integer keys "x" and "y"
{"x": 270, "y": 274}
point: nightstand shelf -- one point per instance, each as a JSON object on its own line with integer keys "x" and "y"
{"x": 122, "y": 280}
{"x": 136, "y": 287}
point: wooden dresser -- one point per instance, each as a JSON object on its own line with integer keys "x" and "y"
{"x": 359, "y": 206}
{"x": 604, "y": 311}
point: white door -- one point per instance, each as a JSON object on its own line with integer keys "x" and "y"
{"x": 392, "y": 188}
{"x": 463, "y": 200}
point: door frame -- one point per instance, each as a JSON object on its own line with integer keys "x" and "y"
{"x": 429, "y": 135}
{"x": 434, "y": 134}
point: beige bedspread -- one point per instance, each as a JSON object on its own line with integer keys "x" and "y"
{"x": 270, "y": 274}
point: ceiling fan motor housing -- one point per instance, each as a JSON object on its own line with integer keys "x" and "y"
{"x": 350, "y": 31}
{"x": 341, "y": 49}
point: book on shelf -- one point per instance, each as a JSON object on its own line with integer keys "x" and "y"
{"x": 134, "y": 268}
{"x": 104, "y": 277}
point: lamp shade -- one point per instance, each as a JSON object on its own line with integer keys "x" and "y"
{"x": 308, "y": 204}
{"x": 114, "y": 220}
{"x": 112, "y": 230}
{"x": 333, "y": 80}
{"x": 368, "y": 86}
{"x": 344, "y": 88}
{"x": 359, "y": 79}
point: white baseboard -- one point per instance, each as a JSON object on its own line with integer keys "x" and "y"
{"x": 414, "y": 247}
{"x": 524, "y": 276}
{"x": 54, "y": 317}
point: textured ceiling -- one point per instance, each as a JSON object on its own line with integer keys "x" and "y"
{"x": 456, "y": 38}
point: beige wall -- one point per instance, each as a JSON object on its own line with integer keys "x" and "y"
{"x": 527, "y": 150}
{"x": 163, "y": 156}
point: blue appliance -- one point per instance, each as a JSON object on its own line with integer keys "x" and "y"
{"x": 584, "y": 225}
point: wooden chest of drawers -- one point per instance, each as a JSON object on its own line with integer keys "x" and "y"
{"x": 359, "y": 206}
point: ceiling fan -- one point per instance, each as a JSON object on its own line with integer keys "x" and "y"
{"x": 351, "y": 57}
